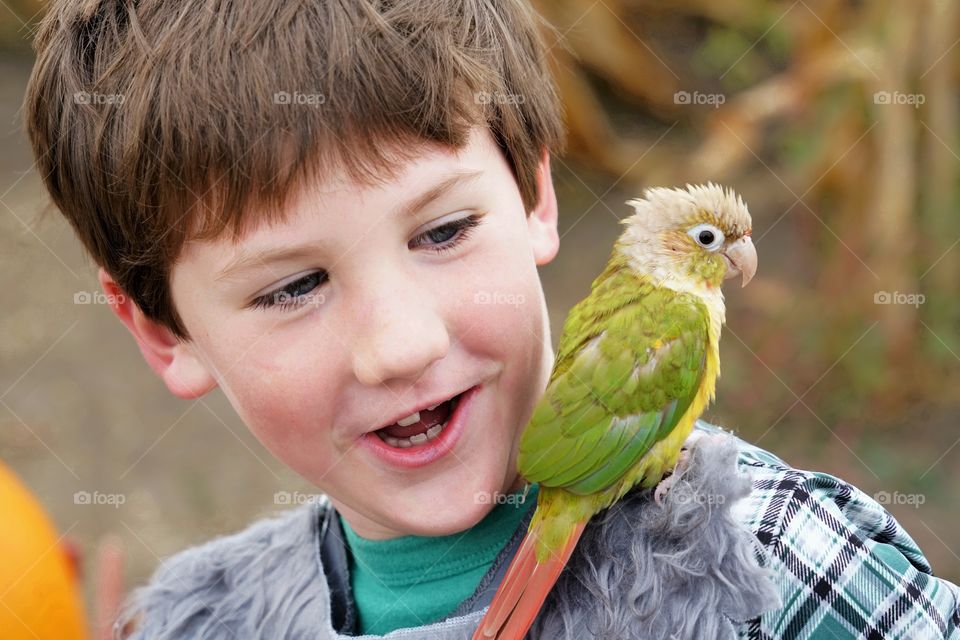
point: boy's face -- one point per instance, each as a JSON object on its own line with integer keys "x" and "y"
{"x": 382, "y": 302}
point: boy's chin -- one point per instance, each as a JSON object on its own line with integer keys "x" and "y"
{"x": 446, "y": 510}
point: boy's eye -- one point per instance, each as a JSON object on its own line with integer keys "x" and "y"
{"x": 293, "y": 294}
{"x": 447, "y": 235}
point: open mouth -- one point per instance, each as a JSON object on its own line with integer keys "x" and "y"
{"x": 420, "y": 427}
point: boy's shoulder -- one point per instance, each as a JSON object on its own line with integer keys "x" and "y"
{"x": 758, "y": 549}
{"x": 845, "y": 567}
{"x": 265, "y": 578}
{"x": 683, "y": 568}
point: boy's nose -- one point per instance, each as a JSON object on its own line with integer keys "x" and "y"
{"x": 399, "y": 338}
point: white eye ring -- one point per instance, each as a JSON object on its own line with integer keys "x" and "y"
{"x": 707, "y": 236}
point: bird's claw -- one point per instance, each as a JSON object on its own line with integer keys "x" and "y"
{"x": 664, "y": 485}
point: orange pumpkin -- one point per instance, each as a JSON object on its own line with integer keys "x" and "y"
{"x": 39, "y": 594}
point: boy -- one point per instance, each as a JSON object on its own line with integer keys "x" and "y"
{"x": 334, "y": 211}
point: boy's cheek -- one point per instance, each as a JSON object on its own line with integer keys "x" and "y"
{"x": 282, "y": 401}
{"x": 508, "y": 315}
{"x": 300, "y": 438}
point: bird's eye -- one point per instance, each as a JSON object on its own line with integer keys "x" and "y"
{"x": 707, "y": 236}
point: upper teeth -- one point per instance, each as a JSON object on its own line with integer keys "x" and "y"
{"x": 410, "y": 419}
{"x": 415, "y": 417}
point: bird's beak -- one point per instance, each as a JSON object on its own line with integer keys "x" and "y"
{"x": 741, "y": 260}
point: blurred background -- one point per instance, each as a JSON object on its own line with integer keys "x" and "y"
{"x": 836, "y": 120}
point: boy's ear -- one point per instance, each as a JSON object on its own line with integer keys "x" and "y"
{"x": 542, "y": 219}
{"x": 174, "y": 361}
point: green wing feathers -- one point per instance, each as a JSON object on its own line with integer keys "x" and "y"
{"x": 630, "y": 362}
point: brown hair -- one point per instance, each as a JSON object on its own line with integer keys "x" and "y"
{"x": 156, "y": 122}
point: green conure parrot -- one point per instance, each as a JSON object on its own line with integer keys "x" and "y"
{"x": 637, "y": 364}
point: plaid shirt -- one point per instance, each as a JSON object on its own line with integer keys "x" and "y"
{"x": 845, "y": 567}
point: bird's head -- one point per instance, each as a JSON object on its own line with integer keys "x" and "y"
{"x": 698, "y": 235}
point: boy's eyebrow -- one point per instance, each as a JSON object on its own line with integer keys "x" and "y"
{"x": 244, "y": 261}
{"x": 433, "y": 193}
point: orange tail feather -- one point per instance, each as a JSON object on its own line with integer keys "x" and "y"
{"x": 524, "y": 588}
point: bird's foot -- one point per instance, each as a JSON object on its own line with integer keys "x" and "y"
{"x": 668, "y": 482}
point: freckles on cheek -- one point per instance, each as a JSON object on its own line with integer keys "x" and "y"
{"x": 503, "y": 311}
{"x": 288, "y": 425}
{"x": 282, "y": 400}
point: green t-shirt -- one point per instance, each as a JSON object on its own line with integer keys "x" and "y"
{"x": 415, "y": 580}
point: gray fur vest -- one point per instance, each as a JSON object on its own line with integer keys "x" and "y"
{"x": 683, "y": 570}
